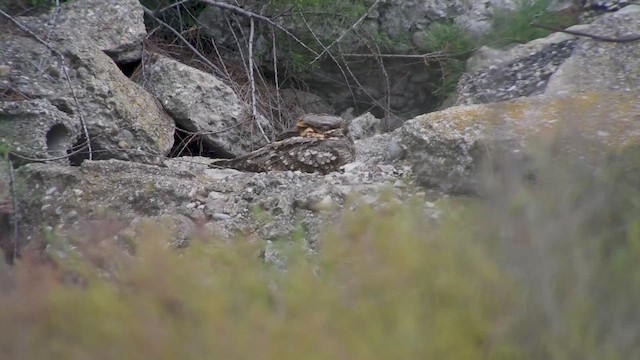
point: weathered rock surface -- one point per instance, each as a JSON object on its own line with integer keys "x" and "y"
{"x": 86, "y": 21}
{"x": 524, "y": 77}
{"x": 447, "y": 148}
{"x": 603, "y": 66}
{"x": 122, "y": 119}
{"x": 226, "y": 202}
{"x": 51, "y": 131}
{"x": 589, "y": 117}
{"x": 364, "y": 126}
{"x": 524, "y": 70}
{"x": 200, "y": 103}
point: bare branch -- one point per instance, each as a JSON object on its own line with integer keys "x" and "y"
{"x": 344, "y": 75}
{"x": 275, "y": 73}
{"x": 160, "y": 11}
{"x": 179, "y": 36}
{"x": 623, "y": 39}
{"x": 254, "y": 110}
{"x": 241, "y": 11}
{"x": 364, "y": 16}
{"x": 387, "y": 85}
{"x": 431, "y": 56}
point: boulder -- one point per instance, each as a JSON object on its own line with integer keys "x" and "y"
{"x": 223, "y": 202}
{"x": 602, "y": 66}
{"x": 365, "y": 125}
{"x": 37, "y": 128}
{"x": 117, "y": 28}
{"x": 122, "y": 120}
{"x": 202, "y": 104}
{"x": 521, "y": 71}
{"x": 530, "y": 69}
{"x": 447, "y": 148}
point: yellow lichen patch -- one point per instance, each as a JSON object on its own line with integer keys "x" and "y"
{"x": 601, "y": 118}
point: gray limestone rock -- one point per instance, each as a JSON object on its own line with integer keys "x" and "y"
{"x": 200, "y": 103}
{"x": 123, "y": 121}
{"x": 36, "y": 129}
{"x": 602, "y": 66}
{"x": 115, "y": 27}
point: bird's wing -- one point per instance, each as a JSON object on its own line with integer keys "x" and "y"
{"x": 295, "y": 153}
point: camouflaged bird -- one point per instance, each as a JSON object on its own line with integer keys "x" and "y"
{"x": 320, "y": 143}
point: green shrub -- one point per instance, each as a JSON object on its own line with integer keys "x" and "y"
{"x": 515, "y": 26}
{"x": 451, "y": 39}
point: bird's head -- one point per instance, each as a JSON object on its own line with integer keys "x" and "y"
{"x": 321, "y": 126}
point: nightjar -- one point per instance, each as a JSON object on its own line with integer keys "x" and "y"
{"x": 319, "y": 143}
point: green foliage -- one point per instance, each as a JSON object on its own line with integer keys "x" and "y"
{"x": 5, "y": 149}
{"x": 446, "y": 37}
{"x": 377, "y": 289}
{"x": 515, "y": 26}
{"x": 450, "y": 39}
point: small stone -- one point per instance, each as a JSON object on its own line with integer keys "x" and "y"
{"x": 221, "y": 216}
{"x": 326, "y": 204}
{"x": 51, "y": 190}
{"x": 45, "y": 207}
{"x": 369, "y": 199}
{"x": 191, "y": 205}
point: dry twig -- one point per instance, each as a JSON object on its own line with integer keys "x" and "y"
{"x": 344, "y": 75}
{"x": 179, "y": 36}
{"x": 364, "y": 16}
{"x": 622, "y": 39}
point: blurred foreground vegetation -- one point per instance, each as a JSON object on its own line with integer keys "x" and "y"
{"x": 542, "y": 269}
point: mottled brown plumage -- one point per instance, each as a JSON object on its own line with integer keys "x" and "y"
{"x": 320, "y": 143}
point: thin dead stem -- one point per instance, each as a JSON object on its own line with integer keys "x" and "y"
{"x": 179, "y": 36}
{"x": 344, "y": 75}
{"x": 360, "y": 20}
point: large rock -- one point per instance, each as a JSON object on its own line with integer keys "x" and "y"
{"x": 447, "y": 148}
{"x": 603, "y": 66}
{"x": 122, "y": 119}
{"x": 530, "y": 69}
{"x": 202, "y": 104}
{"x": 224, "y": 202}
{"x": 523, "y": 76}
{"x": 117, "y": 28}
{"x": 50, "y": 131}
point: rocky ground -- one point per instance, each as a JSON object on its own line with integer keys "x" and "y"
{"x": 541, "y": 95}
